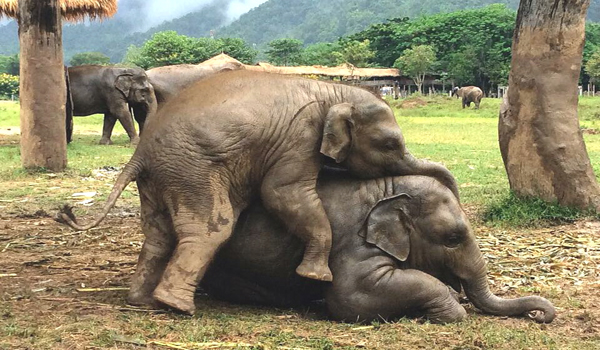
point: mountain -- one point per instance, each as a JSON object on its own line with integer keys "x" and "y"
{"x": 308, "y": 20}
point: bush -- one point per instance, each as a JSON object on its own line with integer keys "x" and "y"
{"x": 9, "y": 85}
{"x": 531, "y": 212}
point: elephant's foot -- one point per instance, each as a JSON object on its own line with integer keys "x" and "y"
{"x": 447, "y": 310}
{"x": 142, "y": 299}
{"x": 104, "y": 141}
{"x": 315, "y": 270}
{"x": 177, "y": 299}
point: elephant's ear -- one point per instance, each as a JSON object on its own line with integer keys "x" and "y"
{"x": 337, "y": 137}
{"x": 389, "y": 227}
{"x": 123, "y": 83}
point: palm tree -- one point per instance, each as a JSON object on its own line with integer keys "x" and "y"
{"x": 42, "y": 80}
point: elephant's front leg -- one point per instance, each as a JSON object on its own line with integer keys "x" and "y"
{"x": 201, "y": 230}
{"x": 121, "y": 112}
{"x": 290, "y": 193}
{"x": 390, "y": 292}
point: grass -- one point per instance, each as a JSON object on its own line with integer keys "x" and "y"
{"x": 43, "y": 254}
{"x": 437, "y": 128}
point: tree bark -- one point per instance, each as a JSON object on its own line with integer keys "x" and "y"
{"x": 541, "y": 144}
{"x": 42, "y": 86}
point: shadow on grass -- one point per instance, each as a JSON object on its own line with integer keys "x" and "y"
{"x": 531, "y": 212}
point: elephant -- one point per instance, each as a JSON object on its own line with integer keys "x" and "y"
{"x": 398, "y": 242}
{"x": 241, "y": 135}
{"x": 168, "y": 81}
{"x": 112, "y": 91}
{"x": 468, "y": 94}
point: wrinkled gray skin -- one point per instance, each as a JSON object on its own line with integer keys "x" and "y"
{"x": 112, "y": 91}
{"x": 468, "y": 94}
{"x": 238, "y": 136}
{"x": 168, "y": 81}
{"x": 397, "y": 243}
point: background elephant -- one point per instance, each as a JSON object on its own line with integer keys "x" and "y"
{"x": 468, "y": 94}
{"x": 112, "y": 91}
{"x": 168, "y": 81}
{"x": 241, "y": 135}
{"x": 397, "y": 243}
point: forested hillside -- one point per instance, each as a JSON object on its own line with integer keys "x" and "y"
{"x": 308, "y": 20}
{"x": 324, "y": 21}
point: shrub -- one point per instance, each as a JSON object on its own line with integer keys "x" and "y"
{"x": 9, "y": 85}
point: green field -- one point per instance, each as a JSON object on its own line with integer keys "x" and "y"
{"x": 532, "y": 248}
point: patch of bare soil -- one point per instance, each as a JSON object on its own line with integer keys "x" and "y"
{"x": 65, "y": 289}
{"x": 590, "y": 131}
{"x": 411, "y": 103}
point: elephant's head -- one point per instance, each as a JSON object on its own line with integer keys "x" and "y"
{"x": 366, "y": 140}
{"x": 139, "y": 93}
{"x": 426, "y": 229}
{"x": 135, "y": 87}
{"x": 455, "y": 91}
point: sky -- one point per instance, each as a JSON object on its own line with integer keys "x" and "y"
{"x": 158, "y": 11}
{"x": 155, "y": 12}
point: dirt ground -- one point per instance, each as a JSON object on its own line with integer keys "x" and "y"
{"x": 65, "y": 289}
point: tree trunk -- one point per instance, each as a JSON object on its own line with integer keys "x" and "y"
{"x": 540, "y": 141}
{"x": 42, "y": 87}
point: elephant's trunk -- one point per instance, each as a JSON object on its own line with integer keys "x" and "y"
{"x": 413, "y": 166}
{"x": 478, "y": 291}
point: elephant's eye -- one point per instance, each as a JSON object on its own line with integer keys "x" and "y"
{"x": 392, "y": 144}
{"x": 453, "y": 240}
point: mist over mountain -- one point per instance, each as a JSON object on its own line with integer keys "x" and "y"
{"x": 255, "y": 21}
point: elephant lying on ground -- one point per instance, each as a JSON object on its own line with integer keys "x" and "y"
{"x": 168, "y": 81}
{"x": 468, "y": 94}
{"x": 112, "y": 91}
{"x": 238, "y": 136}
{"x": 397, "y": 243}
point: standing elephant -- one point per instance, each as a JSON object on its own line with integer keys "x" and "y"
{"x": 397, "y": 243}
{"x": 112, "y": 91}
{"x": 468, "y": 94}
{"x": 168, "y": 81}
{"x": 241, "y": 135}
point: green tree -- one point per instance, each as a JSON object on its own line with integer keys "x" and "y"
{"x": 357, "y": 53}
{"x": 165, "y": 48}
{"x": 238, "y": 49}
{"x": 323, "y": 54}
{"x": 9, "y": 64}
{"x": 169, "y": 48}
{"x": 472, "y": 46}
{"x": 592, "y": 67}
{"x": 285, "y": 52}
{"x": 82, "y": 58}
{"x": 132, "y": 56}
{"x": 416, "y": 62}
{"x": 9, "y": 85}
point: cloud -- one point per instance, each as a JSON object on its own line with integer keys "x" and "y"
{"x": 149, "y": 13}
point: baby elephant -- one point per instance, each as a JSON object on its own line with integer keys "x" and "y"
{"x": 237, "y": 136}
{"x": 468, "y": 94}
{"x": 397, "y": 243}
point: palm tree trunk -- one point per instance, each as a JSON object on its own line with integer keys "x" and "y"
{"x": 42, "y": 86}
{"x": 540, "y": 141}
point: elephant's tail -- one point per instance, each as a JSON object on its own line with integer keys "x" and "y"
{"x": 129, "y": 173}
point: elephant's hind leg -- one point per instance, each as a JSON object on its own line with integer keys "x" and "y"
{"x": 299, "y": 207}
{"x": 156, "y": 251}
{"x": 107, "y": 128}
{"x": 200, "y": 232}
